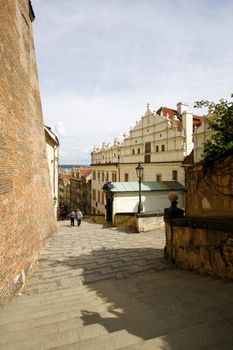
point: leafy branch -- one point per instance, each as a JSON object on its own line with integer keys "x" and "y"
{"x": 220, "y": 121}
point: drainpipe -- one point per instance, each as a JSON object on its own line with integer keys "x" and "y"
{"x": 119, "y": 172}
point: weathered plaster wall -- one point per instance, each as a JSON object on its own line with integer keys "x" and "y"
{"x": 26, "y": 205}
{"x": 210, "y": 194}
{"x": 150, "y": 223}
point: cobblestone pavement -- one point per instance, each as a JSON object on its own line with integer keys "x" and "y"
{"x": 98, "y": 287}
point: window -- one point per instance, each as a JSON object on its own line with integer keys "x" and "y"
{"x": 102, "y": 175}
{"x": 147, "y": 147}
{"x": 158, "y": 177}
{"x": 98, "y": 175}
{"x": 163, "y": 148}
{"x": 102, "y": 198}
{"x": 98, "y": 200}
{"x": 114, "y": 177}
{"x": 147, "y": 158}
{"x": 107, "y": 176}
{"x": 94, "y": 195}
{"x": 157, "y": 148}
{"x": 174, "y": 175}
{"x": 133, "y": 151}
{"x": 94, "y": 175}
{"x": 126, "y": 177}
{"x": 139, "y": 151}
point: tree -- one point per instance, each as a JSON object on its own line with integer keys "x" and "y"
{"x": 220, "y": 120}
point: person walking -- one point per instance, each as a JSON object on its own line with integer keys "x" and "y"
{"x": 72, "y": 217}
{"x": 79, "y": 216}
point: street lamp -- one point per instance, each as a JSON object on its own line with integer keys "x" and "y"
{"x": 139, "y": 171}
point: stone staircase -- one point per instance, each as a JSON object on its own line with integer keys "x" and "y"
{"x": 99, "y": 288}
{"x": 166, "y": 310}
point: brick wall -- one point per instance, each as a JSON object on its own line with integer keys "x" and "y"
{"x": 26, "y": 205}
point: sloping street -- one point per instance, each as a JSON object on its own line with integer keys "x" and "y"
{"x": 100, "y": 287}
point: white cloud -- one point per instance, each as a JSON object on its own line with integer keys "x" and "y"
{"x": 59, "y": 129}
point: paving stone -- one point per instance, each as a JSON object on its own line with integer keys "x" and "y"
{"x": 98, "y": 287}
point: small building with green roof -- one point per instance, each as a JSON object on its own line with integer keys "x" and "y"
{"x": 123, "y": 197}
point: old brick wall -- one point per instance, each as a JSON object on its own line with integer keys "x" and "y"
{"x": 26, "y": 205}
{"x": 210, "y": 194}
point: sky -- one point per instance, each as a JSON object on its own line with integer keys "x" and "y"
{"x": 101, "y": 61}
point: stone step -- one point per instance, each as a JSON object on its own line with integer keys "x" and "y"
{"x": 71, "y": 339}
{"x": 204, "y": 336}
{"x": 144, "y": 323}
{"x": 166, "y": 278}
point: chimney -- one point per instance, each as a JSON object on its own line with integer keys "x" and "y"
{"x": 181, "y": 107}
{"x": 187, "y": 120}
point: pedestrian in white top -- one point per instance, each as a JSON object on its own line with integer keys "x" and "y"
{"x": 79, "y": 216}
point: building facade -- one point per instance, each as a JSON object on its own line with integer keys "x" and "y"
{"x": 75, "y": 189}
{"x": 64, "y": 189}
{"x": 80, "y": 190}
{"x": 52, "y": 147}
{"x": 200, "y": 136}
{"x": 160, "y": 140}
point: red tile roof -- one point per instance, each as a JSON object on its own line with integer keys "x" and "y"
{"x": 171, "y": 113}
{"x": 67, "y": 176}
{"x": 189, "y": 159}
{"x": 85, "y": 171}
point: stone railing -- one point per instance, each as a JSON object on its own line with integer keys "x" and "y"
{"x": 99, "y": 218}
{"x": 139, "y": 222}
{"x": 203, "y": 244}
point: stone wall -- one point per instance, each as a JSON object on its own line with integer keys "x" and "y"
{"x": 99, "y": 218}
{"x": 139, "y": 222}
{"x": 206, "y": 250}
{"x": 126, "y": 220}
{"x": 148, "y": 223}
{"x": 202, "y": 240}
{"x": 210, "y": 194}
{"x": 26, "y": 204}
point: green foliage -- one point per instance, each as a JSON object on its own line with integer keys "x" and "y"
{"x": 220, "y": 120}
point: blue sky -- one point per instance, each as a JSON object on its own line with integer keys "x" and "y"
{"x": 101, "y": 61}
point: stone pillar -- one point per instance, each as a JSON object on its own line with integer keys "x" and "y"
{"x": 169, "y": 214}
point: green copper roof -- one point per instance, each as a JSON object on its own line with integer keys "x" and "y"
{"x": 146, "y": 186}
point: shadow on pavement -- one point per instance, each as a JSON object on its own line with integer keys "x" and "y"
{"x": 157, "y": 301}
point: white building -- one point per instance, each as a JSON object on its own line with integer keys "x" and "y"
{"x": 160, "y": 140}
{"x": 154, "y": 197}
{"x": 200, "y": 136}
{"x": 52, "y": 147}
